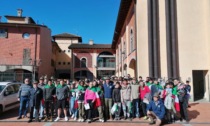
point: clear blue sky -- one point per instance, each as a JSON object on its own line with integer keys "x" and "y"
{"x": 90, "y": 19}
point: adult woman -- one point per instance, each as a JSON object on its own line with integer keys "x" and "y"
{"x": 90, "y": 97}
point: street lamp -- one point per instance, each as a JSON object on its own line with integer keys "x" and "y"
{"x": 35, "y": 64}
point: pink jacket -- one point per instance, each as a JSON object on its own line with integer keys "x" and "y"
{"x": 90, "y": 95}
{"x": 143, "y": 92}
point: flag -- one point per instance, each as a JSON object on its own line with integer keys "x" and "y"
{"x": 98, "y": 100}
{"x": 176, "y": 103}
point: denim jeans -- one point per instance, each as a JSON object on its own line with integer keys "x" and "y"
{"x": 24, "y": 104}
{"x": 108, "y": 107}
{"x": 117, "y": 113}
{"x": 126, "y": 108}
{"x": 41, "y": 111}
{"x": 135, "y": 108}
{"x": 72, "y": 110}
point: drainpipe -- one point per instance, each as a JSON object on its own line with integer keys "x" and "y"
{"x": 35, "y": 56}
{"x": 168, "y": 39}
{"x": 174, "y": 40}
{"x": 150, "y": 39}
{"x": 136, "y": 72}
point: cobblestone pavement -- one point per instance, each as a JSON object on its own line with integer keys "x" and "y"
{"x": 199, "y": 114}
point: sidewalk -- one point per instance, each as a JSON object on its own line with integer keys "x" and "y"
{"x": 199, "y": 114}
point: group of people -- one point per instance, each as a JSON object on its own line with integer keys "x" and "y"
{"x": 108, "y": 99}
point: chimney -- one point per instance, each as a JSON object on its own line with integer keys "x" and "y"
{"x": 19, "y": 12}
{"x": 27, "y": 20}
{"x": 90, "y": 42}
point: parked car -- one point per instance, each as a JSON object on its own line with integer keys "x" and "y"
{"x": 9, "y": 95}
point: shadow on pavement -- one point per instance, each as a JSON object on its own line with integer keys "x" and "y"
{"x": 193, "y": 114}
{"x": 193, "y": 104}
{"x": 13, "y": 113}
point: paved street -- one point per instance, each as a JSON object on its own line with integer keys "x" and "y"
{"x": 198, "y": 113}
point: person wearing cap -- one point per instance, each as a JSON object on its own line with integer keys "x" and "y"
{"x": 35, "y": 95}
{"x": 23, "y": 97}
{"x": 108, "y": 89}
{"x": 41, "y": 85}
{"x": 156, "y": 110}
{"x": 135, "y": 97}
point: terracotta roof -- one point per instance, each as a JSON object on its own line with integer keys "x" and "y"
{"x": 123, "y": 11}
{"x": 17, "y": 17}
{"x": 88, "y": 46}
{"x": 67, "y": 35}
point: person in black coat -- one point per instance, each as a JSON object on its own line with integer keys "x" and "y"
{"x": 117, "y": 100}
{"x": 35, "y": 95}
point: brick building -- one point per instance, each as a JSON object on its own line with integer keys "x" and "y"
{"x": 92, "y": 60}
{"x": 26, "y": 48}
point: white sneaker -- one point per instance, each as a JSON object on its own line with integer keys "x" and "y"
{"x": 72, "y": 116}
{"x": 79, "y": 120}
{"x": 82, "y": 120}
{"x": 75, "y": 118}
{"x": 66, "y": 119}
{"x": 57, "y": 119}
{"x": 101, "y": 120}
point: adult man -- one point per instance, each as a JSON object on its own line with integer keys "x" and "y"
{"x": 49, "y": 94}
{"x": 108, "y": 88}
{"x": 126, "y": 99}
{"x": 36, "y": 96}
{"x": 183, "y": 100}
{"x": 62, "y": 94}
{"x": 135, "y": 98}
{"x": 23, "y": 97}
{"x": 41, "y": 85}
{"x": 156, "y": 110}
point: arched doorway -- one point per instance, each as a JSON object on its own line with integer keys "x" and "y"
{"x": 105, "y": 64}
{"x": 132, "y": 68}
{"x": 125, "y": 70}
{"x": 81, "y": 75}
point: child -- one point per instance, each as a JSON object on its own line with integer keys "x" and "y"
{"x": 117, "y": 100}
{"x": 169, "y": 103}
{"x": 73, "y": 111}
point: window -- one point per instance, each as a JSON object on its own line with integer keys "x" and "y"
{"x": 3, "y": 33}
{"x": 9, "y": 90}
{"x": 26, "y": 35}
{"x": 16, "y": 87}
{"x": 64, "y": 51}
{"x": 52, "y": 62}
{"x": 69, "y": 50}
{"x": 64, "y": 63}
{"x": 69, "y": 63}
{"x": 83, "y": 62}
{"x": 131, "y": 41}
{"x": 59, "y": 63}
{"x": 59, "y": 51}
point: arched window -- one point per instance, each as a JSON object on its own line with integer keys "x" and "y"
{"x": 83, "y": 62}
{"x": 131, "y": 41}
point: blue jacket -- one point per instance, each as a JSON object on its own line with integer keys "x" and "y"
{"x": 108, "y": 89}
{"x": 158, "y": 109}
{"x": 35, "y": 97}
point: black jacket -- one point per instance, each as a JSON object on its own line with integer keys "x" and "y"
{"x": 116, "y": 95}
{"x": 35, "y": 97}
{"x": 48, "y": 93}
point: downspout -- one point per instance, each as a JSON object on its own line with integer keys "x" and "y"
{"x": 150, "y": 39}
{"x": 174, "y": 39}
{"x": 35, "y": 55}
{"x": 168, "y": 39}
{"x": 136, "y": 73}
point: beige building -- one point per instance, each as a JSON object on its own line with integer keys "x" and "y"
{"x": 172, "y": 39}
{"x": 63, "y": 56}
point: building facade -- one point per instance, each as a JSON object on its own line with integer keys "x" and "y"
{"x": 172, "y": 39}
{"x": 63, "y": 55}
{"x": 26, "y": 48}
{"x": 92, "y": 61}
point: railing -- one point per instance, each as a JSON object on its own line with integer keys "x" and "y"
{"x": 19, "y": 77}
{"x": 106, "y": 65}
